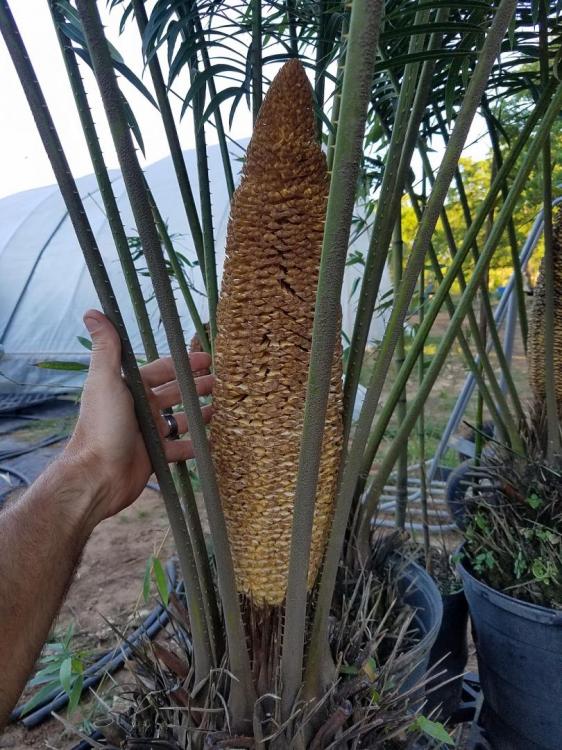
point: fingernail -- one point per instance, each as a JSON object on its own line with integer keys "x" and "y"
{"x": 91, "y": 323}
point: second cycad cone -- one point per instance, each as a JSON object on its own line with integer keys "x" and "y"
{"x": 262, "y": 350}
{"x": 536, "y": 349}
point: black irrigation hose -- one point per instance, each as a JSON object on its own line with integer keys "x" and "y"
{"x": 43, "y": 713}
{"x": 106, "y": 664}
{"x": 85, "y": 745}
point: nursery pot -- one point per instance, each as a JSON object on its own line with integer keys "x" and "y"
{"x": 419, "y": 591}
{"x": 448, "y": 657}
{"x": 519, "y": 649}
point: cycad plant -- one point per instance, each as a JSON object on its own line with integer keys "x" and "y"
{"x": 290, "y": 618}
{"x": 522, "y": 499}
{"x": 513, "y": 538}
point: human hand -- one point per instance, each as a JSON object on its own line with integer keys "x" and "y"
{"x": 107, "y": 445}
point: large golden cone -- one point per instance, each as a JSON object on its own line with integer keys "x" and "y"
{"x": 536, "y": 352}
{"x": 262, "y": 349}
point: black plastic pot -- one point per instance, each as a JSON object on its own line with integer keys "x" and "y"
{"x": 448, "y": 657}
{"x": 418, "y": 590}
{"x": 519, "y": 649}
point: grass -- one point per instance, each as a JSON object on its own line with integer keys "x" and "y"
{"x": 34, "y": 431}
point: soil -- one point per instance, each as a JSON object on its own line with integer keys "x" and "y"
{"x": 108, "y": 584}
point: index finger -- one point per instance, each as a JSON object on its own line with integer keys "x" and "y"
{"x": 163, "y": 371}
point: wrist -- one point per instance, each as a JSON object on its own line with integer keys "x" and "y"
{"x": 78, "y": 491}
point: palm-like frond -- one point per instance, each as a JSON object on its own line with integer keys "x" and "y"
{"x": 516, "y": 71}
{"x": 68, "y": 22}
{"x": 287, "y": 29}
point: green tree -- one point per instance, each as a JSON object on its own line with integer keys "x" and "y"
{"x": 477, "y": 176}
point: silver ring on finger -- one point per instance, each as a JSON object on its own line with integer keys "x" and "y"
{"x": 172, "y": 423}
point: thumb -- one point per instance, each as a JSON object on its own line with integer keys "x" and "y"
{"x": 106, "y": 346}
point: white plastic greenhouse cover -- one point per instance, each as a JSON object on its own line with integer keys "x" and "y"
{"x": 45, "y": 287}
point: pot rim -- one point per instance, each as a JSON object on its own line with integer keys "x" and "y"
{"x": 534, "y": 612}
{"x": 404, "y": 567}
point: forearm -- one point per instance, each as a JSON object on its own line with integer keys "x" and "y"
{"x": 42, "y": 536}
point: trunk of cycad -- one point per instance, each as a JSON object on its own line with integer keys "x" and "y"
{"x": 265, "y": 318}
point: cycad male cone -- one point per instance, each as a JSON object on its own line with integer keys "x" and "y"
{"x": 536, "y": 350}
{"x": 262, "y": 349}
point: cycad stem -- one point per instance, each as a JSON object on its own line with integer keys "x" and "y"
{"x": 485, "y": 298}
{"x": 179, "y": 274}
{"x": 176, "y": 153}
{"x": 362, "y": 45}
{"x": 335, "y": 116}
{"x": 472, "y": 362}
{"x": 421, "y": 438}
{"x": 242, "y": 695}
{"x": 485, "y": 363}
{"x": 401, "y": 407}
{"x": 485, "y": 313}
{"x": 412, "y": 101}
{"x": 257, "y": 86}
{"x": 104, "y": 185}
{"x": 206, "y": 206}
{"x": 292, "y": 24}
{"x": 479, "y": 437}
{"x": 202, "y": 560}
{"x": 320, "y": 66}
{"x": 217, "y": 117}
{"x": 516, "y": 263}
{"x": 209, "y": 250}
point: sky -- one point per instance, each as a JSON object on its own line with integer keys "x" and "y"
{"x": 23, "y": 163}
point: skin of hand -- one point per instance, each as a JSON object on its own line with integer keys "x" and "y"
{"x": 102, "y": 470}
{"x": 107, "y": 440}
